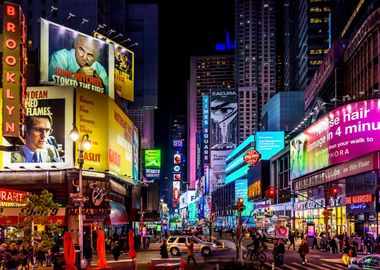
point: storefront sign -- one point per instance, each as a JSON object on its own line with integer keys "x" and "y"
{"x": 360, "y": 206}
{"x": 90, "y": 211}
{"x": 251, "y": 157}
{"x": 9, "y": 197}
{"x": 366, "y": 198}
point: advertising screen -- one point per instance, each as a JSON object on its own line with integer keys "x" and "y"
{"x": 49, "y": 118}
{"x": 152, "y": 159}
{"x": 176, "y": 193}
{"x": 71, "y": 58}
{"x": 269, "y": 143}
{"x": 343, "y": 134}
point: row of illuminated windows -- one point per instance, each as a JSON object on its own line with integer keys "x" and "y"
{"x": 319, "y": 9}
{"x": 319, "y": 20}
{"x": 319, "y": 51}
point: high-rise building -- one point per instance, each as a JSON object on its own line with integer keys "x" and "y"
{"x": 255, "y": 60}
{"x": 206, "y": 73}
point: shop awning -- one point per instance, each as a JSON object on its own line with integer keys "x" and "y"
{"x": 10, "y": 216}
{"x": 118, "y": 215}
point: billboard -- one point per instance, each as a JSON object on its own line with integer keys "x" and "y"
{"x": 269, "y": 143}
{"x": 223, "y": 119}
{"x": 123, "y": 69}
{"x": 49, "y": 118}
{"x": 152, "y": 161}
{"x": 205, "y": 128}
{"x": 114, "y": 138}
{"x": 343, "y": 134}
{"x": 71, "y": 58}
{"x": 176, "y": 193}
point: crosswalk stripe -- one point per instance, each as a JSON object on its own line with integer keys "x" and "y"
{"x": 336, "y": 266}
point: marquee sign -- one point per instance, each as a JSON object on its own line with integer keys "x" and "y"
{"x": 14, "y": 72}
{"x": 365, "y": 198}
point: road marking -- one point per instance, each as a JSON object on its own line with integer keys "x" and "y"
{"x": 337, "y": 266}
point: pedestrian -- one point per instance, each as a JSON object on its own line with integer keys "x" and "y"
{"x": 279, "y": 253}
{"x": 164, "y": 249}
{"x": 116, "y": 251}
{"x": 190, "y": 251}
{"x": 303, "y": 250}
{"x": 352, "y": 251}
{"x": 333, "y": 245}
{"x": 315, "y": 243}
{"x": 292, "y": 240}
{"x": 87, "y": 253}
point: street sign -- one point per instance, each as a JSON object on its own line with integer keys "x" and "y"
{"x": 79, "y": 199}
{"x": 251, "y": 157}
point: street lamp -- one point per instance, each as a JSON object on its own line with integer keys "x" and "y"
{"x": 84, "y": 143}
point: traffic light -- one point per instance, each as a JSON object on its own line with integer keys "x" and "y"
{"x": 271, "y": 192}
{"x": 334, "y": 192}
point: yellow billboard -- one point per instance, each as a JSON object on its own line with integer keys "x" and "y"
{"x": 113, "y": 135}
{"x": 91, "y": 108}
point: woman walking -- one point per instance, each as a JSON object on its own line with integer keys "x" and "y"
{"x": 303, "y": 250}
{"x": 164, "y": 249}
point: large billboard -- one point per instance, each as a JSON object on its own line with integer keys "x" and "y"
{"x": 343, "y": 134}
{"x": 269, "y": 143}
{"x": 223, "y": 119}
{"x": 114, "y": 139}
{"x": 124, "y": 69}
{"x": 71, "y": 58}
{"x": 49, "y": 118}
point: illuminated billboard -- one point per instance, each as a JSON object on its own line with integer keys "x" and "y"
{"x": 49, "y": 118}
{"x": 343, "y": 134}
{"x": 71, "y": 58}
{"x": 153, "y": 159}
{"x": 124, "y": 69}
{"x": 114, "y": 139}
{"x": 269, "y": 143}
{"x": 152, "y": 162}
{"x": 176, "y": 193}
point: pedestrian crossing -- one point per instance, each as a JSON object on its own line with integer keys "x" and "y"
{"x": 317, "y": 265}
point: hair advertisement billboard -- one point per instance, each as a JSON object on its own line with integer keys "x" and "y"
{"x": 71, "y": 58}
{"x": 49, "y": 118}
{"x": 343, "y": 134}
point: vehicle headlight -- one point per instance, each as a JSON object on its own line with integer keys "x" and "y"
{"x": 213, "y": 245}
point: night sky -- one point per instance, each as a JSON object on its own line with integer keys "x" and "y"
{"x": 186, "y": 28}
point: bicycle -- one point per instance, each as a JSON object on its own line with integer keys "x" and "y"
{"x": 251, "y": 254}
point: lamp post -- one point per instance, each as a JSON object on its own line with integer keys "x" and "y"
{"x": 84, "y": 143}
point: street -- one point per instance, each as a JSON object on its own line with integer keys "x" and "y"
{"x": 316, "y": 260}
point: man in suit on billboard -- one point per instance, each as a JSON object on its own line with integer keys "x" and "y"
{"x": 37, "y": 148}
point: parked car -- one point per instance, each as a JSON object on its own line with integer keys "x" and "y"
{"x": 176, "y": 245}
{"x": 366, "y": 263}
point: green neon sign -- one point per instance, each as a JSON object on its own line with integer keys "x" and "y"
{"x": 152, "y": 159}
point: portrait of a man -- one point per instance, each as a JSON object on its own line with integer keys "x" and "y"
{"x": 39, "y": 145}
{"x": 82, "y": 59}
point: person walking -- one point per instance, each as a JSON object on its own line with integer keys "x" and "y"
{"x": 116, "y": 251}
{"x": 279, "y": 253}
{"x": 292, "y": 240}
{"x": 303, "y": 250}
{"x": 190, "y": 251}
{"x": 87, "y": 252}
{"x": 315, "y": 243}
{"x": 164, "y": 249}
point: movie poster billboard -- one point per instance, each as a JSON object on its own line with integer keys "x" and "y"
{"x": 124, "y": 69}
{"x": 343, "y": 134}
{"x": 135, "y": 157}
{"x": 176, "y": 193}
{"x": 71, "y": 58}
{"x": 91, "y": 120}
{"x": 120, "y": 141}
{"x": 49, "y": 118}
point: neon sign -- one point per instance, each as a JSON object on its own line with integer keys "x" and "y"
{"x": 14, "y": 71}
{"x": 366, "y": 198}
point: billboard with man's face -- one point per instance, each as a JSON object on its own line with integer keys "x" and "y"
{"x": 71, "y": 58}
{"x": 49, "y": 118}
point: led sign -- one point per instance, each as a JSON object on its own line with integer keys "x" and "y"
{"x": 366, "y": 198}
